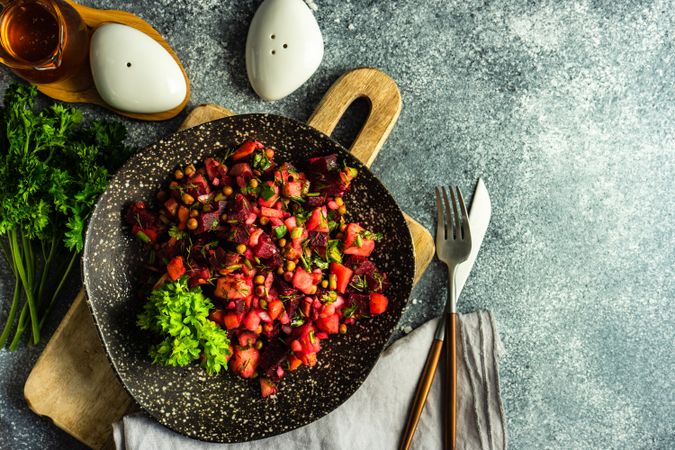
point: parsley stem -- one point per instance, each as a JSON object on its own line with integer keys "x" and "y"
{"x": 30, "y": 275}
{"x": 27, "y": 285}
{"x": 45, "y": 268}
{"x": 73, "y": 258}
{"x": 12, "y": 312}
{"x": 20, "y": 327}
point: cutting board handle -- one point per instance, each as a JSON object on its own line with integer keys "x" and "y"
{"x": 385, "y": 106}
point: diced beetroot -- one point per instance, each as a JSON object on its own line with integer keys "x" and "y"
{"x": 323, "y": 164}
{"x": 251, "y": 320}
{"x": 246, "y": 338}
{"x": 314, "y": 202}
{"x": 237, "y": 234}
{"x": 265, "y": 248}
{"x": 271, "y": 212}
{"x": 361, "y": 265}
{"x": 175, "y": 269}
{"x": 343, "y": 276}
{"x": 318, "y": 221}
{"x": 267, "y": 388}
{"x": 244, "y": 361}
{"x": 232, "y": 287}
{"x": 318, "y": 239}
{"x": 274, "y": 355}
{"x": 330, "y": 324}
{"x": 303, "y": 280}
{"x": 240, "y": 209}
{"x": 138, "y": 214}
{"x": 246, "y": 149}
{"x": 242, "y": 170}
{"x": 208, "y": 222}
{"x": 293, "y": 189}
{"x": 198, "y": 275}
{"x": 275, "y": 261}
{"x": 378, "y": 304}
{"x": 197, "y": 185}
{"x": 211, "y": 166}
{"x": 362, "y": 302}
{"x": 232, "y": 320}
{"x": 171, "y": 206}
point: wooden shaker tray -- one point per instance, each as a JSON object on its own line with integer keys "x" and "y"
{"x": 73, "y": 382}
{"x": 80, "y": 87}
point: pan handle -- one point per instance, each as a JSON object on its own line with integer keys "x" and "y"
{"x": 385, "y": 106}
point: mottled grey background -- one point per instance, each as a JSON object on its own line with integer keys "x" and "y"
{"x": 568, "y": 111}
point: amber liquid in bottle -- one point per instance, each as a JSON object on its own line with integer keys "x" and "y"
{"x": 30, "y": 32}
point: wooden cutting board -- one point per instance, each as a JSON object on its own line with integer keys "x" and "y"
{"x": 73, "y": 383}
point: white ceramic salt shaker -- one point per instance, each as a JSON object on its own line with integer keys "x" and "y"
{"x": 284, "y": 48}
{"x": 133, "y": 72}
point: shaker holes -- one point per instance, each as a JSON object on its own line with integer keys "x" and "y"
{"x": 128, "y": 64}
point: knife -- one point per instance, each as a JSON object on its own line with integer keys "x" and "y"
{"x": 479, "y": 219}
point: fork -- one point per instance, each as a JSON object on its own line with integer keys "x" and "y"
{"x": 453, "y": 245}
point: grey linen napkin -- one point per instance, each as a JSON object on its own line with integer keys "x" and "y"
{"x": 375, "y": 415}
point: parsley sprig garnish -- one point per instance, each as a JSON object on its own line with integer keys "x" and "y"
{"x": 179, "y": 315}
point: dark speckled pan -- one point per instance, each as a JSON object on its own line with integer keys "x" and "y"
{"x": 226, "y": 408}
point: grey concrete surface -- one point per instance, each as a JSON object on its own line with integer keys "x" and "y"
{"x": 568, "y": 111}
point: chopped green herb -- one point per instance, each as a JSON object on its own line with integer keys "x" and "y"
{"x": 180, "y": 316}
{"x": 267, "y": 192}
{"x": 333, "y": 252}
{"x": 349, "y": 311}
{"x": 329, "y": 297}
{"x": 280, "y": 231}
{"x": 175, "y": 232}
{"x": 260, "y": 161}
{"x": 359, "y": 283}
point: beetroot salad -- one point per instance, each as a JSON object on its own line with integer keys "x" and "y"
{"x": 253, "y": 263}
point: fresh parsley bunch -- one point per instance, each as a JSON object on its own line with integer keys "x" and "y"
{"x": 52, "y": 171}
{"x": 179, "y": 315}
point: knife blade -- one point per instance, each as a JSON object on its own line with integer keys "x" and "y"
{"x": 479, "y": 218}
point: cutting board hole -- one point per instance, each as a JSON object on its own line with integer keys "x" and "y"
{"x": 352, "y": 121}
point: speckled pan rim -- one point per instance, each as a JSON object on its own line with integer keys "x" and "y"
{"x": 406, "y": 283}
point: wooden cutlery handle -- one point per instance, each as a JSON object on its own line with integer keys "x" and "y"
{"x": 421, "y": 393}
{"x": 450, "y": 383}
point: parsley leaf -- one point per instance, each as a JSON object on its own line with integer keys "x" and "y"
{"x": 179, "y": 315}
